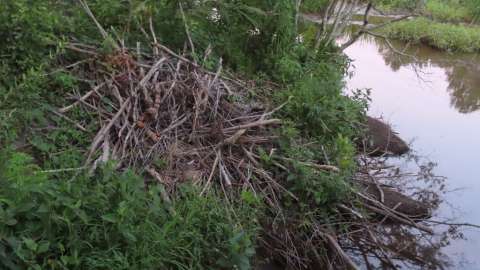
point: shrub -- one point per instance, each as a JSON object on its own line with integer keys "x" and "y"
{"x": 112, "y": 222}
{"x": 317, "y": 106}
{"x": 315, "y": 187}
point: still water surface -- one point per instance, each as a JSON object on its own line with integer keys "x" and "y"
{"x": 433, "y": 101}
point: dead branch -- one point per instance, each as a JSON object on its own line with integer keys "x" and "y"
{"x": 335, "y": 246}
{"x": 365, "y": 29}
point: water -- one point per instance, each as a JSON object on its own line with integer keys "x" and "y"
{"x": 433, "y": 101}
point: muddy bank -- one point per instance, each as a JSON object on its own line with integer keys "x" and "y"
{"x": 380, "y": 139}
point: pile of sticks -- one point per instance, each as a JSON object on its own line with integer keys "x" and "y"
{"x": 168, "y": 115}
{"x": 163, "y": 113}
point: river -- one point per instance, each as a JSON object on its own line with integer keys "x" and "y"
{"x": 433, "y": 101}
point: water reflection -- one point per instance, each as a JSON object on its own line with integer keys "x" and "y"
{"x": 462, "y": 70}
{"x": 402, "y": 247}
{"x": 432, "y": 100}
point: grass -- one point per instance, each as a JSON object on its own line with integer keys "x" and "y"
{"x": 444, "y": 36}
{"x": 434, "y": 7}
{"x": 396, "y": 5}
{"x": 446, "y": 24}
{"x": 452, "y": 11}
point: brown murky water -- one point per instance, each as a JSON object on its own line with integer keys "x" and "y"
{"x": 433, "y": 101}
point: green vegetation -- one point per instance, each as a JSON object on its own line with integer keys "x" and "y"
{"x": 111, "y": 222}
{"x": 448, "y": 11}
{"x": 61, "y": 219}
{"x": 313, "y": 5}
{"x": 54, "y": 214}
{"x": 445, "y": 24}
{"x": 397, "y": 5}
{"x": 474, "y": 7}
{"x": 454, "y": 11}
{"x": 439, "y": 35}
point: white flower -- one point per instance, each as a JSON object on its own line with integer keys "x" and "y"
{"x": 214, "y": 15}
{"x": 254, "y": 32}
{"x": 299, "y": 39}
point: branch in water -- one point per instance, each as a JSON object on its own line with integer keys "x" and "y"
{"x": 365, "y": 29}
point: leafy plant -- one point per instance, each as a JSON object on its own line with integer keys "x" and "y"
{"x": 111, "y": 222}
{"x": 317, "y": 105}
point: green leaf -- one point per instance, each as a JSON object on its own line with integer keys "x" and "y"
{"x": 11, "y": 222}
{"x": 82, "y": 215}
{"x": 110, "y": 218}
{"x": 43, "y": 247}
{"x": 30, "y": 243}
{"x": 254, "y": 10}
{"x": 249, "y": 197}
{"x": 129, "y": 236}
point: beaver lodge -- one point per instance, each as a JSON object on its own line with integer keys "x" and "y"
{"x": 175, "y": 121}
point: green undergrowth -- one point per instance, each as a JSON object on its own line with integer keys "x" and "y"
{"x": 454, "y": 11}
{"x": 392, "y": 6}
{"x": 449, "y": 25}
{"x": 114, "y": 221}
{"x": 111, "y": 220}
{"x": 443, "y": 36}
{"x": 312, "y": 6}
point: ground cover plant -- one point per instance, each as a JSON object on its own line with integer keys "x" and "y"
{"x": 113, "y": 221}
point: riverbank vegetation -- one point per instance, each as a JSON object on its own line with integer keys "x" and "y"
{"x": 454, "y": 11}
{"x": 442, "y": 36}
{"x": 177, "y": 135}
{"x": 446, "y": 25}
{"x": 60, "y": 212}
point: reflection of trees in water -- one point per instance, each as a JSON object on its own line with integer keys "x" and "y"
{"x": 405, "y": 248}
{"x": 464, "y": 87}
{"x": 386, "y": 244}
{"x": 422, "y": 251}
{"x": 463, "y": 71}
